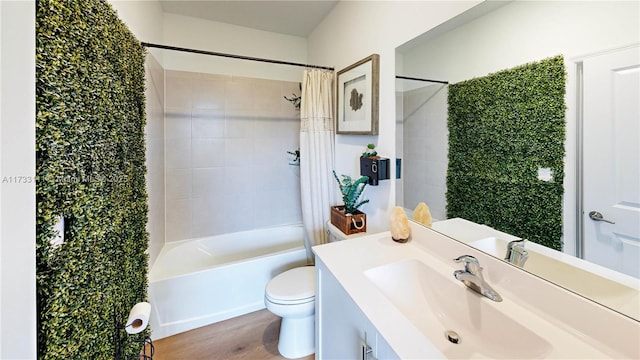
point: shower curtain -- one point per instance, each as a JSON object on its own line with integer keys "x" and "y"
{"x": 318, "y": 192}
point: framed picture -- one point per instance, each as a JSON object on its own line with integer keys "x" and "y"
{"x": 358, "y": 94}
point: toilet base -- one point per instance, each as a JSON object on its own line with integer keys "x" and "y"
{"x": 297, "y": 337}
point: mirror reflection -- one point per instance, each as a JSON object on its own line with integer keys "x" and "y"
{"x": 596, "y": 251}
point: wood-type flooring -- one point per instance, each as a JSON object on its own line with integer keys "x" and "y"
{"x": 249, "y": 337}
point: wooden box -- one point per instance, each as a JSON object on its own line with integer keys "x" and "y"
{"x": 348, "y": 224}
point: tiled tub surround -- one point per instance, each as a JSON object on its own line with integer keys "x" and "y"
{"x": 154, "y": 136}
{"x": 425, "y": 148}
{"x": 226, "y": 162}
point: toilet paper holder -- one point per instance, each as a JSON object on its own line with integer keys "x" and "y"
{"x": 138, "y": 325}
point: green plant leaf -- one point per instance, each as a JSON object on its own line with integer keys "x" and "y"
{"x": 351, "y": 191}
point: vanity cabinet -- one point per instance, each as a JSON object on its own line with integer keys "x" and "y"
{"x": 342, "y": 329}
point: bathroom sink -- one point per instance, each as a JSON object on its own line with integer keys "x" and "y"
{"x": 442, "y": 308}
{"x": 607, "y": 287}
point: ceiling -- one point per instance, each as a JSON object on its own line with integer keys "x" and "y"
{"x": 297, "y": 17}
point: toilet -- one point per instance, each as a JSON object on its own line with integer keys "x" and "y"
{"x": 291, "y": 295}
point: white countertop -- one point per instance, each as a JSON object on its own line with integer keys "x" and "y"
{"x": 348, "y": 260}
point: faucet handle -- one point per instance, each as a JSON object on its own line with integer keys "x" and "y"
{"x": 466, "y": 259}
{"x": 471, "y": 264}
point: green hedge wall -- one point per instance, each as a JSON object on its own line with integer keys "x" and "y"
{"x": 90, "y": 165}
{"x": 502, "y": 128}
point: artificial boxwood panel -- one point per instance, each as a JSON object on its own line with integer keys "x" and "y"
{"x": 90, "y": 163}
{"x": 502, "y": 128}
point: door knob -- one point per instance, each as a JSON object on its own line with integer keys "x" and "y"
{"x": 596, "y": 216}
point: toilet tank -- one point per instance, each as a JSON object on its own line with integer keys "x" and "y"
{"x": 336, "y": 235}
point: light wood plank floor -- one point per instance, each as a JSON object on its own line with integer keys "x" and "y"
{"x": 253, "y": 336}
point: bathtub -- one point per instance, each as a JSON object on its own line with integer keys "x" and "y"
{"x": 202, "y": 281}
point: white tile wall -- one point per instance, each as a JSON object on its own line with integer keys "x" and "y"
{"x": 177, "y": 122}
{"x": 239, "y": 94}
{"x": 178, "y": 219}
{"x": 207, "y": 123}
{"x": 209, "y": 92}
{"x": 207, "y": 153}
{"x": 155, "y": 162}
{"x": 179, "y": 89}
{"x": 178, "y": 153}
{"x": 178, "y": 184}
{"x": 226, "y": 154}
{"x": 425, "y": 148}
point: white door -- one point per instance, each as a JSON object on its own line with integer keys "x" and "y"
{"x": 611, "y": 160}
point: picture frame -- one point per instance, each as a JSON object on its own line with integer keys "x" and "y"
{"x": 358, "y": 91}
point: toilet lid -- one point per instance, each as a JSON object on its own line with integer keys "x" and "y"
{"x": 293, "y": 285}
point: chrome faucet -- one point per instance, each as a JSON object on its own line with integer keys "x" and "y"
{"x": 472, "y": 277}
{"x": 516, "y": 254}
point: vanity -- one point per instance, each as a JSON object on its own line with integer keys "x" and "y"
{"x": 378, "y": 299}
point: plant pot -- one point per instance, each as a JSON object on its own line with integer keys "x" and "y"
{"x": 348, "y": 223}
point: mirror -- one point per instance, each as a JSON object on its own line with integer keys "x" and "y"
{"x": 495, "y": 36}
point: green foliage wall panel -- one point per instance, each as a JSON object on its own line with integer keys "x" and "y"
{"x": 502, "y": 128}
{"x": 91, "y": 169}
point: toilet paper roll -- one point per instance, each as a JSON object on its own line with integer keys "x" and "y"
{"x": 138, "y": 318}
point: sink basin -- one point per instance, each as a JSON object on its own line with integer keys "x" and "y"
{"x": 434, "y": 302}
{"x": 610, "y": 288}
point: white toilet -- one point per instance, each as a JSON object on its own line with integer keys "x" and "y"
{"x": 291, "y": 295}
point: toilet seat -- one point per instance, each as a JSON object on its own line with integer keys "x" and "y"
{"x": 295, "y": 286}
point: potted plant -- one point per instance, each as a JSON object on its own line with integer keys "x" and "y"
{"x": 347, "y": 217}
{"x": 370, "y": 151}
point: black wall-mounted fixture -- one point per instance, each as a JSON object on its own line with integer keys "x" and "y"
{"x": 376, "y": 168}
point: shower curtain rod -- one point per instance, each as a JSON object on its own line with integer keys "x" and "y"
{"x": 418, "y": 79}
{"x": 204, "y": 52}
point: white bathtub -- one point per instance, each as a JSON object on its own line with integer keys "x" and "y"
{"x": 202, "y": 281}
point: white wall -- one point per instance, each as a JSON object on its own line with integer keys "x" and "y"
{"x": 189, "y": 32}
{"x": 17, "y": 195}
{"x": 522, "y": 32}
{"x": 143, "y": 18}
{"x": 525, "y": 31}
{"x": 354, "y": 30}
